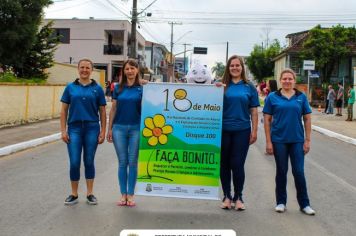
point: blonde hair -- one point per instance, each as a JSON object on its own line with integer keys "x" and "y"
{"x": 288, "y": 70}
{"x": 88, "y": 60}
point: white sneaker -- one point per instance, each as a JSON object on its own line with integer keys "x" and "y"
{"x": 308, "y": 211}
{"x": 280, "y": 208}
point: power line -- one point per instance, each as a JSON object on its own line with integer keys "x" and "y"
{"x": 69, "y": 7}
{"x": 256, "y": 23}
{"x": 253, "y": 19}
{"x": 55, "y": 1}
{"x": 115, "y": 7}
{"x": 261, "y": 17}
{"x": 148, "y": 30}
{"x": 256, "y": 13}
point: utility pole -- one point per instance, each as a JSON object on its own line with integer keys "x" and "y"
{"x": 185, "y": 47}
{"x": 172, "y": 24}
{"x": 171, "y": 57}
{"x": 135, "y": 14}
{"x": 227, "y": 51}
{"x": 133, "y": 29}
{"x": 152, "y": 67}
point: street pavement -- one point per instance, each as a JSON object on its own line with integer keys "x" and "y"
{"x": 34, "y": 183}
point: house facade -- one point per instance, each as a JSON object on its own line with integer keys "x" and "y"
{"x": 105, "y": 42}
{"x": 289, "y": 58}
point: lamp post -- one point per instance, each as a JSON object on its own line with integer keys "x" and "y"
{"x": 190, "y": 31}
{"x": 185, "y": 50}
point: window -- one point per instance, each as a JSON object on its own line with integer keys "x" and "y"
{"x": 64, "y": 34}
{"x": 335, "y": 71}
{"x": 296, "y": 65}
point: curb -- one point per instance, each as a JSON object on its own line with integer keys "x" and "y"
{"x": 28, "y": 144}
{"x": 334, "y": 135}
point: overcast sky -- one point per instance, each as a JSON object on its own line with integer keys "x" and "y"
{"x": 212, "y": 23}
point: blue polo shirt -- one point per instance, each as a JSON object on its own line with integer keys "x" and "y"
{"x": 287, "y": 125}
{"x": 84, "y": 101}
{"x": 238, "y": 99}
{"x": 128, "y": 106}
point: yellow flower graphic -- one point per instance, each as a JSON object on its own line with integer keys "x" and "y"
{"x": 156, "y": 130}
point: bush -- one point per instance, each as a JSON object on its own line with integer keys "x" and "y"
{"x": 9, "y": 77}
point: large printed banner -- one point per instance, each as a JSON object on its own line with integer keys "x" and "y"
{"x": 180, "y": 139}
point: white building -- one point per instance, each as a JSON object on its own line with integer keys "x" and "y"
{"x": 156, "y": 58}
{"x": 105, "y": 42}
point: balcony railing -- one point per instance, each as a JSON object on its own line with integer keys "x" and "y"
{"x": 112, "y": 49}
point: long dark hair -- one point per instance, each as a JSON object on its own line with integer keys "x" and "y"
{"x": 227, "y": 77}
{"x": 123, "y": 80}
{"x": 272, "y": 85}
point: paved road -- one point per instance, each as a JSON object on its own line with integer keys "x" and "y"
{"x": 34, "y": 183}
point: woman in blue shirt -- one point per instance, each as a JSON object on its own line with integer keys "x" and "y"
{"x": 124, "y": 129}
{"x": 283, "y": 113}
{"x": 240, "y": 110}
{"x": 85, "y": 101}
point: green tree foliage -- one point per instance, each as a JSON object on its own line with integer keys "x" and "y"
{"x": 327, "y": 47}
{"x": 20, "y": 20}
{"x": 218, "y": 69}
{"x": 260, "y": 60}
{"x": 40, "y": 57}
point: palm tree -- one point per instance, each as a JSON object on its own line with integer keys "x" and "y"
{"x": 218, "y": 69}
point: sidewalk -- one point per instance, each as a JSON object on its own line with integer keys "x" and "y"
{"x": 17, "y": 138}
{"x": 22, "y": 133}
{"x": 24, "y": 136}
{"x": 334, "y": 123}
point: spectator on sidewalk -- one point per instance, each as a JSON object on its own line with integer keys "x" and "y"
{"x": 326, "y": 105}
{"x": 80, "y": 128}
{"x": 113, "y": 84}
{"x": 271, "y": 86}
{"x": 262, "y": 88}
{"x": 108, "y": 90}
{"x": 124, "y": 129}
{"x": 331, "y": 98}
{"x": 240, "y": 111}
{"x": 350, "y": 102}
{"x": 283, "y": 113}
{"x": 339, "y": 99}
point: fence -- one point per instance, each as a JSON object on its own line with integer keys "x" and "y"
{"x": 26, "y": 103}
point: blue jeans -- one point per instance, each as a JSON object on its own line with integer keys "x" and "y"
{"x": 82, "y": 136}
{"x": 282, "y": 151}
{"x": 234, "y": 148}
{"x": 126, "y": 142}
{"x": 331, "y": 107}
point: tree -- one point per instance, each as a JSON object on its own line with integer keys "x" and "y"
{"x": 327, "y": 47}
{"x": 260, "y": 60}
{"x": 20, "y": 20}
{"x": 40, "y": 57}
{"x": 218, "y": 69}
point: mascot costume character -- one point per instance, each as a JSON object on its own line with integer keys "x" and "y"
{"x": 199, "y": 74}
